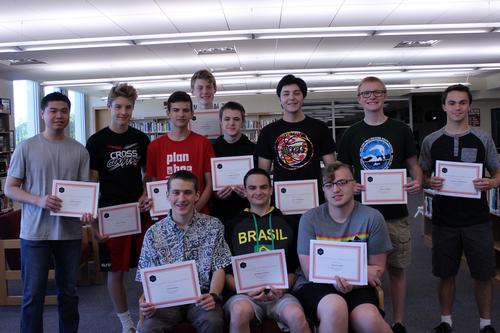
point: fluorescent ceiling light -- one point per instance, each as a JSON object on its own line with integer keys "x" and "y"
{"x": 191, "y": 40}
{"x": 315, "y": 35}
{"x": 430, "y": 32}
{"x": 74, "y": 46}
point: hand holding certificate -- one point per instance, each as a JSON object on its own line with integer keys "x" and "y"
{"x": 157, "y": 192}
{"x": 171, "y": 285}
{"x": 458, "y": 177}
{"x": 120, "y": 220}
{"x": 258, "y": 270}
{"x": 78, "y": 198}
{"x": 328, "y": 259}
{"x": 229, "y": 171}
{"x": 384, "y": 187}
{"x": 296, "y": 197}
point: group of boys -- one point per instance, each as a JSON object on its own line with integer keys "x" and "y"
{"x": 293, "y": 148}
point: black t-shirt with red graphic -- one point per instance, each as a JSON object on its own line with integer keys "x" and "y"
{"x": 118, "y": 157}
{"x": 296, "y": 149}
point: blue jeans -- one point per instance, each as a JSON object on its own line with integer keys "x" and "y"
{"x": 36, "y": 257}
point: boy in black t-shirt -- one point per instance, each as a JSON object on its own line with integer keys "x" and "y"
{"x": 261, "y": 228}
{"x": 117, "y": 160}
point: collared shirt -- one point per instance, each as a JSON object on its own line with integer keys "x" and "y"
{"x": 202, "y": 241}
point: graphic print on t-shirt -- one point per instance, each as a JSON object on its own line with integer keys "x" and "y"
{"x": 294, "y": 150}
{"x": 123, "y": 157}
{"x": 178, "y": 161}
{"x": 376, "y": 153}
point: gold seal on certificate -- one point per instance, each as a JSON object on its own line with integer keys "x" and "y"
{"x": 171, "y": 285}
{"x": 77, "y": 198}
{"x": 229, "y": 171}
{"x": 458, "y": 177}
{"x": 120, "y": 220}
{"x": 384, "y": 187}
{"x": 158, "y": 192}
{"x": 258, "y": 270}
{"x": 328, "y": 259}
{"x": 297, "y": 196}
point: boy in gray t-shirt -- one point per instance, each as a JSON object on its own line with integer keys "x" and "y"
{"x": 35, "y": 163}
{"x": 343, "y": 219}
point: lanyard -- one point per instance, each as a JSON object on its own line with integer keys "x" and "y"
{"x": 257, "y": 231}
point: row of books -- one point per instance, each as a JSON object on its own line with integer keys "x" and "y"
{"x": 151, "y": 126}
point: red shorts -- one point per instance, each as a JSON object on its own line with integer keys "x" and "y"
{"x": 125, "y": 250}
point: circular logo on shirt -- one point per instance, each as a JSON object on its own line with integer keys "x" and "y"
{"x": 294, "y": 150}
{"x": 376, "y": 154}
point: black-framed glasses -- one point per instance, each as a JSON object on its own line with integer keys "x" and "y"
{"x": 339, "y": 183}
{"x": 368, "y": 93}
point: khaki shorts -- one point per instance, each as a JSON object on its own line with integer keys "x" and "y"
{"x": 399, "y": 232}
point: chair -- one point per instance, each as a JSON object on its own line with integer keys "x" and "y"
{"x": 10, "y": 259}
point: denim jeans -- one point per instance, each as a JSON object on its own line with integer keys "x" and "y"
{"x": 36, "y": 257}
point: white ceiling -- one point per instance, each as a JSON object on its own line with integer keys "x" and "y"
{"x": 35, "y": 21}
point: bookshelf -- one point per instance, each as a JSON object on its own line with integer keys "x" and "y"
{"x": 152, "y": 126}
{"x": 7, "y": 143}
{"x": 255, "y": 122}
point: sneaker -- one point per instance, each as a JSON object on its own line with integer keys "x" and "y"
{"x": 487, "y": 329}
{"x": 443, "y": 328}
{"x": 398, "y": 328}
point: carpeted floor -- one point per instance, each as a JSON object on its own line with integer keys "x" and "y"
{"x": 422, "y": 313}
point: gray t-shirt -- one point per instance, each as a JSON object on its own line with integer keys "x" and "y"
{"x": 365, "y": 224}
{"x": 37, "y": 161}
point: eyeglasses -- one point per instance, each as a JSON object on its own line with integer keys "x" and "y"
{"x": 376, "y": 93}
{"x": 339, "y": 183}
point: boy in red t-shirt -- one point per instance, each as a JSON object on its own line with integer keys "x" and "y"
{"x": 182, "y": 149}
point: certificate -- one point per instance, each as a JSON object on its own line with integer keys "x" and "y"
{"x": 261, "y": 269}
{"x": 171, "y": 285}
{"x": 120, "y": 220}
{"x": 77, "y": 198}
{"x": 229, "y": 171}
{"x": 384, "y": 187}
{"x": 458, "y": 177}
{"x": 157, "y": 191}
{"x": 328, "y": 259}
{"x": 206, "y": 122}
{"x": 296, "y": 197}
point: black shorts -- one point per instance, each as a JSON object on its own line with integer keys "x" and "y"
{"x": 311, "y": 294}
{"x": 475, "y": 241}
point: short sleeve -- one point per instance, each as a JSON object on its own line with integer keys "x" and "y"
{"x": 208, "y": 154}
{"x": 343, "y": 152}
{"x": 425, "y": 156}
{"x": 91, "y": 147}
{"x": 17, "y": 165}
{"x": 151, "y": 160}
{"x": 84, "y": 173}
{"x": 144, "y": 147}
{"x": 222, "y": 255}
{"x": 263, "y": 148}
{"x": 327, "y": 143}
{"x": 410, "y": 147}
{"x": 306, "y": 233}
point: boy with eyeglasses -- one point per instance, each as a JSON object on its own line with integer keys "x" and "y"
{"x": 375, "y": 143}
{"x": 339, "y": 306}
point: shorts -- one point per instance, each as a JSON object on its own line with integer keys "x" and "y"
{"x": 125, "y": 250}
{"x": 399, "y": 232}
{"x": 475, "y": 241}
{"x": 263, "y": 310}
{"x": 311, "y": 294}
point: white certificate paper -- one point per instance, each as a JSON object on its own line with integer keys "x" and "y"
{"x": 458, "y": 177}
{"x": 257, "y": 270}
{"x": 383, "y": 187}
{"x": 206, "y": 122}
{"x": 157, "y": 191}
{"x": 328, "y": 259}
{"x": 229, "y": 171}
{"x": 77, "y": 198}
{"x": 296, "y": 197}
{"x": 120, "y": 220}
{"x": 171, "y": 285}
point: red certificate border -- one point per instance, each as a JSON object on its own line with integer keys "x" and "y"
{"x": 368, "y": 201}
{"x": 214, "y": 160}
{"x": 331, "y": 278}
{"x": 440, "y": 164}
{"x": 261, "y": 254}
{"x": 116, "y": 207}
{"x": 73, "y": 183}
{"x": 278, "y": 187}
{"x": 153, "y": 211}
{"x": 190, "y": 266}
